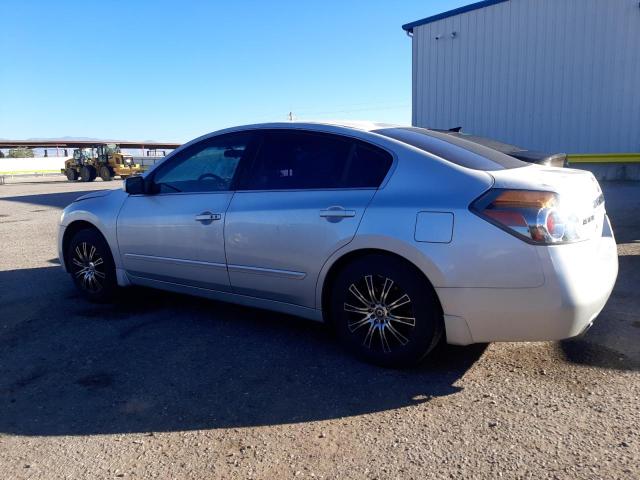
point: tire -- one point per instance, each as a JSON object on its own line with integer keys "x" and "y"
{"x": 397, "y": 325}
{"x": 72, "y": 175}
{"x": 90, "y": 264}
{"x": 105, "y": 174}
{"x": 85, "y": 173}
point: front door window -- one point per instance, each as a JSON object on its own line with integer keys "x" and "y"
{"x": 207, "y": 167}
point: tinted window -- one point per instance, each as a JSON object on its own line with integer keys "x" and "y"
{"x": 208, "y": 166}
{"x": 366, "y": 166}
{"x": 305, "y": 160}
{"x": 454, "y": 149}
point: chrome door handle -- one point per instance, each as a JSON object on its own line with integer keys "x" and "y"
{"x": 208, "y": 217}
{"x": 337, "y": 212}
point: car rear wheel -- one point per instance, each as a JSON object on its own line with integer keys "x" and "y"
{"x": 385, "y": 311}
{"x": 91, "y": 266}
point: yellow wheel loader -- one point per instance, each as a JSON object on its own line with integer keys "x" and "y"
{"x": 104, "y": 160}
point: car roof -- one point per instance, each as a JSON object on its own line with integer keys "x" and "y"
{"x": 361, "y": 125}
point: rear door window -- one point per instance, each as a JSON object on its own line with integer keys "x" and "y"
{"x": 293, "y": 160}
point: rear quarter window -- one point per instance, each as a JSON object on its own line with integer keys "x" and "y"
{"x": 366, "y": 166}
{"x": 454, "y": 149}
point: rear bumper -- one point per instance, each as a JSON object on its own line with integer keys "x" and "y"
{"x": 579, "y": 279}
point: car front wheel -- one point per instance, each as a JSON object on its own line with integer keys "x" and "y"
{"x": 91, "y": 266}
{"x": 385, "y": 311}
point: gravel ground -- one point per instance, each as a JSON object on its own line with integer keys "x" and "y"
{"x": 169, "y": 386}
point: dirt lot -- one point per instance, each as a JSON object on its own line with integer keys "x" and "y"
{"x": 168, "y": 386}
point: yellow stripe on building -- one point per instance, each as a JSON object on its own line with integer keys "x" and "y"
{"x": 604, "y": 158}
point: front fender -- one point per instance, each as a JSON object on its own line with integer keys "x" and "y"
{"x": 102, "y": 213}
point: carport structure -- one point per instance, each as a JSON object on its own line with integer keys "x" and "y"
{"x": 66, "y": 144}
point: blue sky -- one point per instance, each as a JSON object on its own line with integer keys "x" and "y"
{"x": 171, "y": 71}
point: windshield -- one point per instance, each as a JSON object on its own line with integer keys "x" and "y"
{"x": 112, "y": 148}
{"x": 454, "y": 149}
{"x": 83, "y": 152}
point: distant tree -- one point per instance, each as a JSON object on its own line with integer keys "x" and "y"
{"x": 20, "y": 152}
{"x": 1, "y": 154}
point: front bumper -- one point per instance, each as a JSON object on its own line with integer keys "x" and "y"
{"x": 579, "y": 279}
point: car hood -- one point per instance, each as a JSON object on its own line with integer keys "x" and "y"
{"x": 99, "y": 193}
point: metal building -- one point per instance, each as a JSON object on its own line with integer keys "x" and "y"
{"x": 552, "y": 75}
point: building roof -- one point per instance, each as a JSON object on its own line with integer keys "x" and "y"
{"x": 451, "y": 13}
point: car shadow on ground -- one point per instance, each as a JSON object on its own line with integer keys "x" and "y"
{"x": 162, "y": 362}
{"x": 57, "y": 200}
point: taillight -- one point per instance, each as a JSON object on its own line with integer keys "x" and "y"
{"x": 538, "y": 217}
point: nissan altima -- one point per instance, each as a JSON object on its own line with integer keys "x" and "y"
{"x": 397, "y": 237}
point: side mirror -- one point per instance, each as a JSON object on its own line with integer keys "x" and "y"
{"x": 134, "y": 185}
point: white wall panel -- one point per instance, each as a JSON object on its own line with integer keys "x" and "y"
{"x": 553, "y": 75}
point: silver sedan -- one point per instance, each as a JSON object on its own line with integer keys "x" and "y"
{"x": 397, "y": 237}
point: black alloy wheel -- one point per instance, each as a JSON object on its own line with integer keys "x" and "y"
{"x": 385, "y": 311}
{"x": 91, "y": 265}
